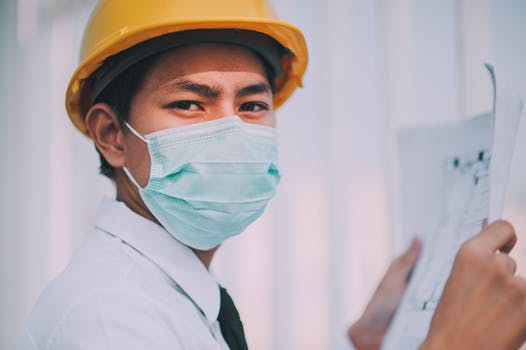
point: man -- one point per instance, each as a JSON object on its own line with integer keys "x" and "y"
{"x": 178, "y": 98}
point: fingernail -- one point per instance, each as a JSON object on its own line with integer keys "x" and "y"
{"x": 415, "y": 244}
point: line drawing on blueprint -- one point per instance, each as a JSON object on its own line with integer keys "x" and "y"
{"x": 464, "y": 209}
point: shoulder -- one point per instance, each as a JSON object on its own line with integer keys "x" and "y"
{"x": 114, "y": 317}
{"x": 107, "y": 297}
{"x": 112, "y": 297}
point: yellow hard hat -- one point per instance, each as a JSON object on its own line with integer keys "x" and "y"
{"x": 119, "y": 25}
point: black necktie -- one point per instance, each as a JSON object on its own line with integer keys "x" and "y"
{"x": 231, "y": 326}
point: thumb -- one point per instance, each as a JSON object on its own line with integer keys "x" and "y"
{"x": 406, "y": 262}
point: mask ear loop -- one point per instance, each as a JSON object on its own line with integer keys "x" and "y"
{"x": 132, "y": 179}
{"x": 136, "y": 133}
{"x": 126, "y": 171}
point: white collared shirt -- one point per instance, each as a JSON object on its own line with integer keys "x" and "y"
{"x": 130, "y": 286}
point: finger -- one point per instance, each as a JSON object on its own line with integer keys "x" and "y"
{"x": 405, "y": 263}
{"x": 395, "y": 279}
{"x": 409, "y": 258}
{"x": 506, "y": 262}
{"x": 500, "y": 236}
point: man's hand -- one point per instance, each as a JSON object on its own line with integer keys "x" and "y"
{"x": 369, "y": 331}
{"x": 484, "y": 303}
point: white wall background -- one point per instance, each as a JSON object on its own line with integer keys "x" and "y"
{"x": 306, "y": 269}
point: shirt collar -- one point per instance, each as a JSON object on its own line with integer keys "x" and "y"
{"x": 173, "y": 257}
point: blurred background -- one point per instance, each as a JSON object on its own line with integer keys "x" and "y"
{"x": 303, "y": 272}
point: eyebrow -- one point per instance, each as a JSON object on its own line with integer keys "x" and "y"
{"x": 200, "y": 89}
{"x": 212, "y": 92}
{"x": 254, "y": 89}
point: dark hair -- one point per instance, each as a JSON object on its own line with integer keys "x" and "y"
{"x": 119, "y": 93}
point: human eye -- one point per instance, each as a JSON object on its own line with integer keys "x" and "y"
{"x": 186, "y": 105}
{"x": 253, "y": 107}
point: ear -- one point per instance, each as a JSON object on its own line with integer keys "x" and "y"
{"x": 104, "y": 128}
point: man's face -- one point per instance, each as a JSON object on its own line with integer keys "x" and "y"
{"x": 195, "y": 84}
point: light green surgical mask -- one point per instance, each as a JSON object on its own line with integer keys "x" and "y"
{"x": 209, "y": 181}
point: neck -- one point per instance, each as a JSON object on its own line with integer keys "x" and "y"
{"x": 128, "y": 194}
{"x": 206, "y": 256}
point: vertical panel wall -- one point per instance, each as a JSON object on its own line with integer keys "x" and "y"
{"x": 39, "y": 229}
{"x": 25, "y": 168}
{"x": 7, "y": 283}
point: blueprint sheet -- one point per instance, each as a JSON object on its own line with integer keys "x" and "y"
{"x": 453, "y": 179}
